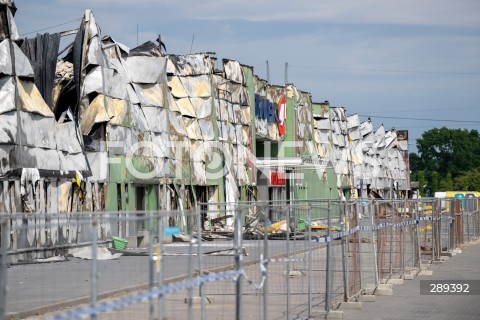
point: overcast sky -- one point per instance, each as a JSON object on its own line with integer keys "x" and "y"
{"x": 409, "y": 59}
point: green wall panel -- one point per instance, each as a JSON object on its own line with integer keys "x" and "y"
{"x": 111, "y": 197}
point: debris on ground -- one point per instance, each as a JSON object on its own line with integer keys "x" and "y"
{"x": 102, "y": 253}
{"x": 52, "y": 259}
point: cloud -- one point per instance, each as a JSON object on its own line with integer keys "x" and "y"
{"x": 460, "y": 13}
{"x": 408, "y": 12}
{"x": 327, "y": 43}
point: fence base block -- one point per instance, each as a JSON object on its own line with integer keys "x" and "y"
{"x": 438, "y": 261}
{"x": 366, "y": 298}
{"x": 143, "y": 237}
{"x": 369, "y": 289}
{"x": 425, "y": 273}
{"x": 333, "y": 315}
{"x": 408, "y": 276}
{"x": 321, "y": 314}
{"x": 132, "y": 242}
{"x": 198, "y": 300}
{"x": 384, "y": 290}
{"x": 395, "y": 281}
{"x": 350, "y": 305}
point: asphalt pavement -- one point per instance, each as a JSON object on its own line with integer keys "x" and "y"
{"x": 36, "y": 285}
{"x": 48, "y": 285}
{"x": 407, "y": 302}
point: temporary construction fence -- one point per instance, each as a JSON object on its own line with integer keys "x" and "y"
{"x": 276, "y": 260}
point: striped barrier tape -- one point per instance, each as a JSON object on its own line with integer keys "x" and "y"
{"x": 114, "y": 305}
{"x": 263, "y": 274}
{"x": 335, "y": 235}
{"x": 263, "y": 270}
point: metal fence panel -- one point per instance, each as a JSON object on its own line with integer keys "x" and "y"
{"x": 284, "y": 259}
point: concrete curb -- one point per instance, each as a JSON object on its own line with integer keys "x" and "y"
{"x": 350, "y": 305}
{"x": 367, "y": 298}
{"x": 384, "y": 290}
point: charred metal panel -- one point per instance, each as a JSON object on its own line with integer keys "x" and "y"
{"x": 150, "y": 95}
{"x": 115, "y": 83}
{"x": 144, "y": 69}
{"x": 6, "y": 163}
{"x": 42, "y": 51}
{"x": 71, "y": 161}
{"x": 177, "y": 125}
{"x": 196, "y": 87}
{"x": 37, "y": 130}
{"x": 7, "y": 95}
{"x": 207, "y": 129}
{"x": 193, "y": 129}
{"x": 23, "y": 67}
{"x": 117, "y": 110}
{"x": 176, "y": 87}
{"x": 8, "y": 29}
{"x": 120, "y": 139}
{"x": 161, "y": 144}
{"x": 137, "y": 118}
{"x": 188, "y": 65}
{"x": 94, "y": 114}
{"x": 157, "y": 119}
{"x": 186, "y": 107}
{"x": 147, "y": 49}
{"x": 28, "y": 157}
{"x": 99, "y": 165}
{"x": 31, "y": 100}
{"x": 202, "y": 107}
{"x": 8, "y": 128}
{"x": 199, "y": 173}
{"x": 93, "y": 81}
{"x": 233, "y": 71}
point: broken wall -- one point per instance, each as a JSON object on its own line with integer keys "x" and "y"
{"x": 191, "y": 117}
{"x": 362, "y": 158}
{"x": 147, "y": 118}
{"x": 30, "y": 136}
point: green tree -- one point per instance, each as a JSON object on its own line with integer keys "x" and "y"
{"x": 433, "y": 182}
{"x": 415, "y": 164}
{"x": 446, "y": 184}
{"x": 421, "y": 182}
{"x": 468, "y": 181}
{"x": 449, "y": 150}
{"x": 448, "y": 159}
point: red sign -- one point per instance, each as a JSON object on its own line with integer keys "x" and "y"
{"x": 282, "y": 114}
{"x": 277, "y": 178}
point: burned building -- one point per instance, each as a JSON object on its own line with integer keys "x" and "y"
{"x": 109, "y": 128}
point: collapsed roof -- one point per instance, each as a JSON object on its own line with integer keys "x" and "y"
{"x": 30, "y": 136}
{"x": 103, "y": 98}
